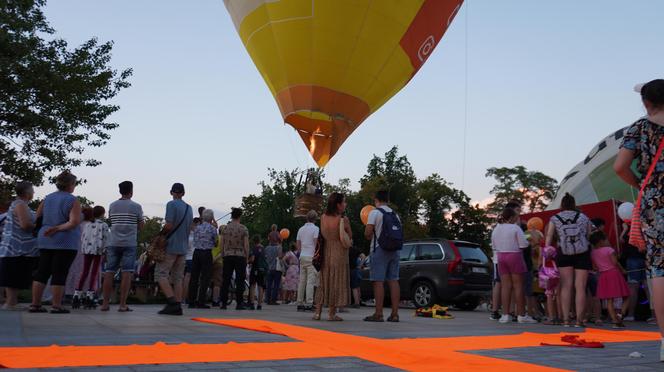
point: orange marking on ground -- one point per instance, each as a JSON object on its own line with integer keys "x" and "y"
{"x": 415, "y": 354}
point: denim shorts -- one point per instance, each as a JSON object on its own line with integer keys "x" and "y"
{"x": 384, "y": 266}
{"x": 636, "y": 270}
{"x": 120, "y": 258}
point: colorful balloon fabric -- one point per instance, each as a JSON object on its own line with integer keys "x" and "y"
{"x": 284, "y": 234}
{"x": 331, "y": 64}
{"x": 535, "y": 223}
{"x": 364, "y": 213}
{"x": 594, "y": 180}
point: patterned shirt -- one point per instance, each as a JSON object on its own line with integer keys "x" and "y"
{"x": 205, "y": 236}
{"x": 234, "y": 237}
{"x": 16, "y": 241}
{"x": 95, "y": 237}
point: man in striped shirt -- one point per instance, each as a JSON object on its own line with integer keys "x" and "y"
{"x": 126, "y": 219}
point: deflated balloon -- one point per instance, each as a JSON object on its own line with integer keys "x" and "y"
{"x": 331, "y": 63}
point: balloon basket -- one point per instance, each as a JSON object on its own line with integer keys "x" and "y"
{"x": 307, "y": 202}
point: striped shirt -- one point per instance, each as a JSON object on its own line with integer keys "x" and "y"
{"x": 125, "y": 215}
{"x": 16, "y": 241}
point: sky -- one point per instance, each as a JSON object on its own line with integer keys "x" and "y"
{"x": 542, "y": 83}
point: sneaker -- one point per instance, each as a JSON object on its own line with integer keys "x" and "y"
{"x": 628, "y": 319}
{"x": 515, "y": 318}
{"x": 171, "y": 309}
{"x": 652, "y": 321}
{"x": 250, "y": 307}
{"x": 526, "y": 319}
{"x": 259, "y": 307}
{"x": 494, "y": 315}
{"x": 506, "y": 318}
{"x": 300, "y": 307}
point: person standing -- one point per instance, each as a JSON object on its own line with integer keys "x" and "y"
{"x": 189, "y": 257}
{"x": 126, "y": 218}
{"x": 257, "y": 273}
{"x": 179, "y": 218}
{"x": 307, "y": 238}
{"x": 94, "y": 239}
{"x": 236, "y": 251}
{"x": 641, "y": 142}
{"x": 384, "y": 261}
{"x": 18, "y": 253}
{"x": 291, "y": 275}
{"x": 205, "y": 239}
{"x": 355, "y": 276}
{"x": 273, "y": 255}
{"x": 273, "y": 237}
{"x": 334, "y": 289}
{"x": 59, "y": 240}
{"x": 217, "y": 269}
{"x": 574, "y": 261}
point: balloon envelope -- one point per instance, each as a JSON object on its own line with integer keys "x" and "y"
{"x": 330, "y": 64}
{"x": 536, "y": 223}
{"x": 284, "y": 234}
{"x": 594, "y": 180}
{"x": 364, "y": 213}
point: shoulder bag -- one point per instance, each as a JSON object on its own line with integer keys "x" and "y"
{"x": 157, "y": 248}
{"x": 346, "y": 241}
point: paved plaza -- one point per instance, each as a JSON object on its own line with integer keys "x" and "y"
{"x": 242, "y": 340}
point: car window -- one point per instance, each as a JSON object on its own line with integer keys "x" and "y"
{"x": 472, "y": 253}
{"x": 430, "y": 252}
{"x": 407, "y": 253}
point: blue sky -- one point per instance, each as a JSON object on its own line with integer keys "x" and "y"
{"x": 546, "y": 82}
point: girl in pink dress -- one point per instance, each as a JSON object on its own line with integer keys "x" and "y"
{"x": 611, "y": 283}
{"x": 292, "y": 274}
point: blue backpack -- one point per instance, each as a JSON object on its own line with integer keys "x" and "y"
{"x": 391, "y": 235}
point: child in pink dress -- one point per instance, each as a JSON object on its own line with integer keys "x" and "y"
{"x": 611, "y": 283}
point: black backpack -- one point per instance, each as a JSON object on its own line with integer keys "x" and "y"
{"x": 391, "y": 235}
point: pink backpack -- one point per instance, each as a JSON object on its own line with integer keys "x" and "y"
{"x": 549, "y": 275}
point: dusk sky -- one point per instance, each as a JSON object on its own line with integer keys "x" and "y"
{"x": 546, "y": 82}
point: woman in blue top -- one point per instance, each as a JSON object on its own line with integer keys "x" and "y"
{"x": 18, "y": 255}
{"x": 58, "y": 241}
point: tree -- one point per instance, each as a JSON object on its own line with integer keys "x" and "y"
{"x": 534, "y": 189}
{"x": 152, "y": 226}
{"x": 470, "y": 222}
{"x": 436, "y": 198}
{"x": 53, "y": 100}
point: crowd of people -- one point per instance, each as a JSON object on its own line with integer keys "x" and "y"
{"x": 200, "y": 261}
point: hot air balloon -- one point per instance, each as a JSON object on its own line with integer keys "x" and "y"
{"x": 594, "y": 180}
{"x": 331, "y": 63}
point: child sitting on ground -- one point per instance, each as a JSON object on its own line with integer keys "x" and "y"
{"x": 611, "y": 283}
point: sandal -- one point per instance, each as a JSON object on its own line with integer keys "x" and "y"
{"x": 59, "y": 310}
{"x": 37, "y": 309}
{"x": 393, "y": 319}
{"x": 335, "y": 318}
{"x": 580, "y": 325}
{"x": 550, "y": 322}
{"x": 374, "y": 318}
{"x": 316, "y": 316}
{"x": 125, "y": 310}
{"x": 105, "y": 308}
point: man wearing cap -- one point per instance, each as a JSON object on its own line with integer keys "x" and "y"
{"x": 179, "y": 217}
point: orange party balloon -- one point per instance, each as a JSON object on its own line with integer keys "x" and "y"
{"x": 535, "y": 223}
{"x": 284, "y": 233}
{"x": 364, "y": 213}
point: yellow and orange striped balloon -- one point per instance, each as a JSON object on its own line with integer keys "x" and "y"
{"x": 331, "y": 63}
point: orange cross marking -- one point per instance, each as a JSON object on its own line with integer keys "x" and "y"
{"x": 415, "y": 354}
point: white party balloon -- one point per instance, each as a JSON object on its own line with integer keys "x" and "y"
{"x": 625, "y": 211}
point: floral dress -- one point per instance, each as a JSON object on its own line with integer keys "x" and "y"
{"x": 292, "y": 277}
{"x": 644, "y": 137}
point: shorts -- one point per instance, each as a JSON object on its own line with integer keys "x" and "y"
{"x": 496, "y": 274}
{"x": 172, "y": 267}
{"x": 581, "y": 261}
{"x": 636, "y": 270}
{"x": 355, "y": 278}
{"x": 16, "y": 272}
{"x": 217, "y": 272}
{"x": 655, "y": 272}
{"x": 528, "y": 283}
{"x": 120, "y": 258}
{"x": 258, "y": 279}
{"x": 384, "y": 266}
{"x": 54, "y": 264}
{"x": 511, "y": 263}
{"x": 187, "y": 266}
{"x": 591, "y": 286}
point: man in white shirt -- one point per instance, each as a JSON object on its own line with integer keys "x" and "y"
{"x": 307, "y": 237}
{"x": 384, "y": 264}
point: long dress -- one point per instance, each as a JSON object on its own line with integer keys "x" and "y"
{"x": 292, "y": 277}
{"x": 334, "y": 288}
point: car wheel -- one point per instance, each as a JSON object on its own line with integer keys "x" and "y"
{"x": 423, "y": 294}
{"x": 468, "y": 304}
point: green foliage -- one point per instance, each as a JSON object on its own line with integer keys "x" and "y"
{"x": 534, "y": 189}
{"x": 152, "y": 226}
{"x": 52, "y": 98}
